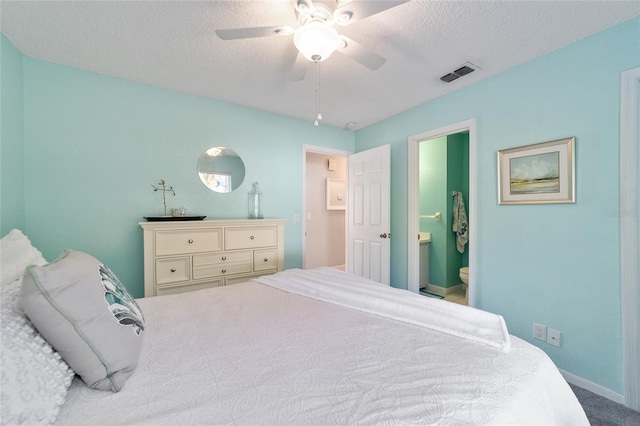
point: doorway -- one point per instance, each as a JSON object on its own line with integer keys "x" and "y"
{"x": 366, "y": 220}
{"x": 324, "y": 223}
{"x": 443, "y": 220}
{"x": 413, "y": 220}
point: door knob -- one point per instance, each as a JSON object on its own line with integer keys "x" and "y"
{"x": 383, "y": 235}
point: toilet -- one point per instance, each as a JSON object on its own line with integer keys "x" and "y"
{"x": 464, "y": 276}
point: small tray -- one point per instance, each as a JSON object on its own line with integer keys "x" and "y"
{"x": 170, "y": 218}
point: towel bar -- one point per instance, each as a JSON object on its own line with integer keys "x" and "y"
{"x": 436, "y": 216}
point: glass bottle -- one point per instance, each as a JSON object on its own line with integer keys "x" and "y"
{"x": 255, "y": 202}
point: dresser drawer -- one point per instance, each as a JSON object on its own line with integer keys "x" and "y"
{"x": 265, "y": 259}
{"x": 221, "y": 258}
{"x": 245, "y": 238}
{"x": 162, "y": 291}
{"x": 172, "y": 270}
{"x": 188, "y": 241}
{"x": 216, "y": 270}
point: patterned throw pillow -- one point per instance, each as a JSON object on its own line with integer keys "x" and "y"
{"x": 87, "y": 315}
{"x": 35, "y": 379}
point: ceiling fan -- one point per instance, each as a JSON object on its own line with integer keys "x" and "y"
{"x": 315, "y": 38}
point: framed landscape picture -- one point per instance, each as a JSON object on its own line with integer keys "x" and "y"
{"x": 542, "y": 173}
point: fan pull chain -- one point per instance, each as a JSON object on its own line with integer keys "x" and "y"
{"x": 318, "y": 115}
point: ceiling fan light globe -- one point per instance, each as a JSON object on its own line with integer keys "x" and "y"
{"x": 316, "y": 41}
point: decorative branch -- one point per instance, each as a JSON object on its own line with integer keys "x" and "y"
{"x": 164, "y": 190}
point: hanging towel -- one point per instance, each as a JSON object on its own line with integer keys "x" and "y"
{"x": 460, "y": 223}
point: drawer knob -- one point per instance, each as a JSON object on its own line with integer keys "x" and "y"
{"x": 224, "y": 257}
{"x": 190, "y": 241}
{"x": 173, "y": 269}
{"x": 252, "y": 237}
{"x": 266, "y": 260}
{"x": 224, "y": 271}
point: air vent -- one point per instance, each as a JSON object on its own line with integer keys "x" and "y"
{"x": 465, "y": 69}
{"x": 449, "y": 77}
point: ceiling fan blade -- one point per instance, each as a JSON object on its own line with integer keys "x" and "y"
{"x": 359, "y": 53}
{"x": 302, "y": 6}
{"x": 356, "y": 10}
{"x": 238, "y": 33}
{"x": 299, "y": 68}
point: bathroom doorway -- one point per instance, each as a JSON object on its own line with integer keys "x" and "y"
{"x": 444, "y": 274}
{"x": 443, "y": 192}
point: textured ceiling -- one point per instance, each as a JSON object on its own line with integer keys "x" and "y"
{"x": 172, "y": 44}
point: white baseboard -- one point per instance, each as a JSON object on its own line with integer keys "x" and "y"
{"x": 592, "y": 387}
{"x": 443, "y": 291}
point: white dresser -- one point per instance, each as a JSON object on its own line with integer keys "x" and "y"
{"x": 184, "y": 256}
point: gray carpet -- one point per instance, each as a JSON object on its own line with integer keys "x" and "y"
{"x": 604, "y": 412}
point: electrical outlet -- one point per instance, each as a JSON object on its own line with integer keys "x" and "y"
{"x": 553, "y": 337}
{"x": 539, "y": 332}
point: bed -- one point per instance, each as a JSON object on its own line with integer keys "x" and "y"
{"x": 325, "y": 347}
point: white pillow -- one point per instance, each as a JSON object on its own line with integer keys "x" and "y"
{"x": 34, "y": 377}
{"x": 16, "y": 253}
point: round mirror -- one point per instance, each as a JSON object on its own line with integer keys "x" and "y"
{"x": 221, "y": 169}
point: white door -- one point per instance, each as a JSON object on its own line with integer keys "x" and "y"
{"x": 368, "y": 228}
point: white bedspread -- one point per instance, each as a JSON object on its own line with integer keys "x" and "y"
{"x": 250, "y": 354}
{"x": 344, "y": 289}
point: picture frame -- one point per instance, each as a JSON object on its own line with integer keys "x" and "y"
{"x": 336, "y": 197}
{"x": 542, "y": 173}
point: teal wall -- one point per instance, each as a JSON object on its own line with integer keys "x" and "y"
{"x": 444, "y": 168}
{"x": 557, "y": 265}
{"x": 12, "y": 190}
{"x": 94, "y": 145}
{"x": 457, "y": 180}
